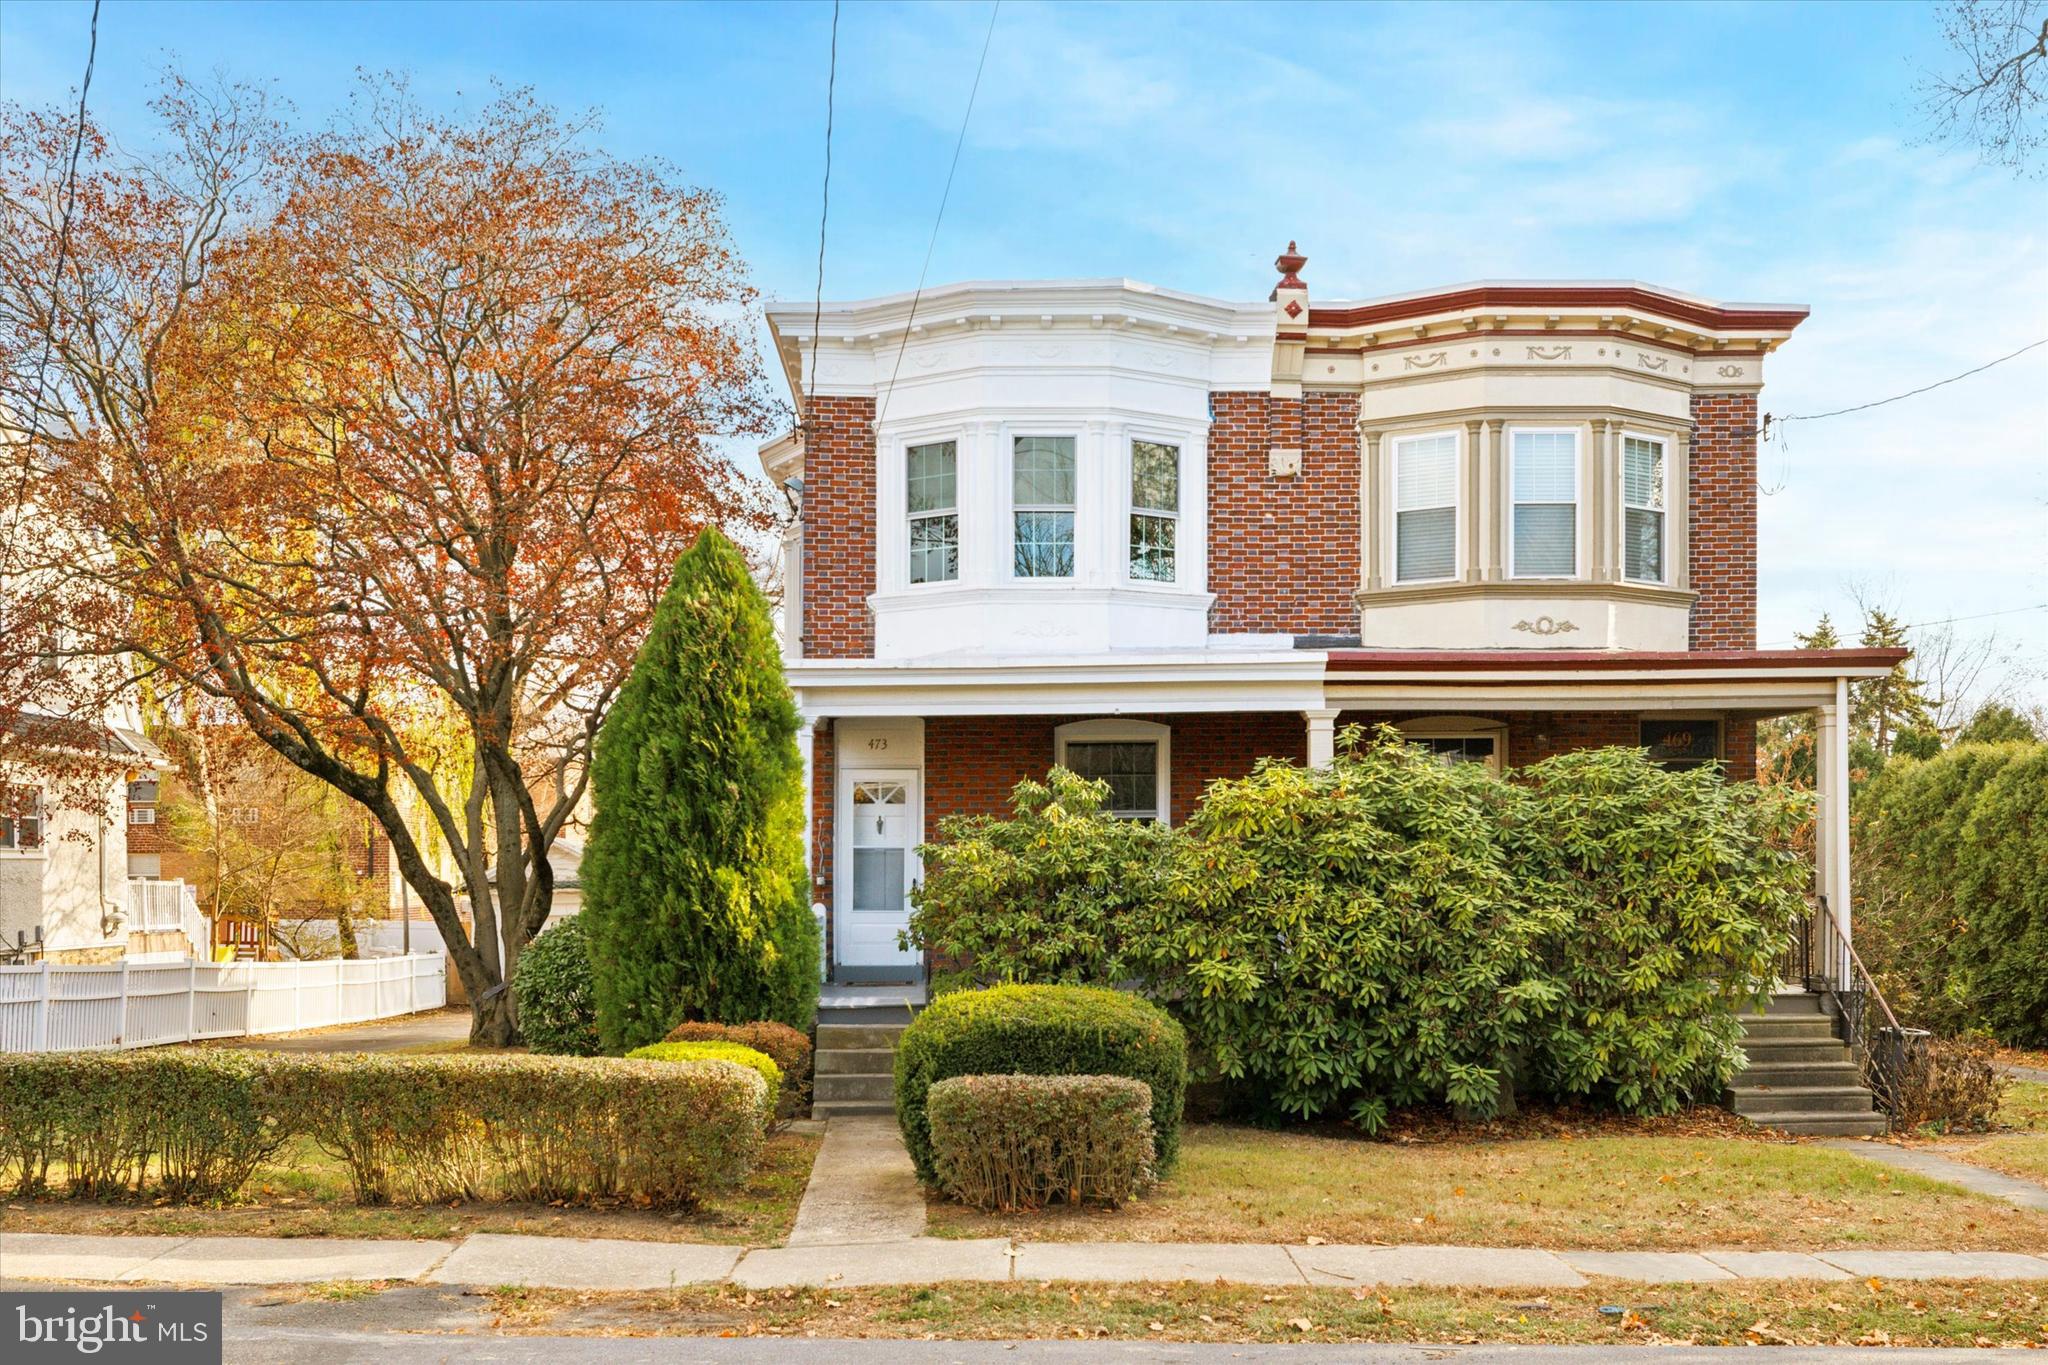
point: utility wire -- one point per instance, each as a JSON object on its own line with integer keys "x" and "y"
{"x": 824, "y": 214}
{"x": 1910, "y": 393}
{"x": 35, "y": 421}
{"x": 932, "y": 245}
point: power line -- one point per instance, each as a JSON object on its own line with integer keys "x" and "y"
{"x": 1897, "y": 397}
{"x": 932, "y": 245}
{"x": 824, "y": 214}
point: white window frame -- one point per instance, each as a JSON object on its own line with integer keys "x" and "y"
{"x": 1394, "y": 509}
{"x": 1461, "y": 727}
{"x": 909, "y": 518}
{"x": 1178, "y": 517}
{"x": 1011, "y": 507}
{"x": 1124, "y": 732}
{"x": 142, "y": 815}
{"x": 1578, "y": 500}
{"x": 1665, "y": 444}
{"x": 14, "y": 848}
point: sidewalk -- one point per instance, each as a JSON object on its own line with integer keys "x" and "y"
{"x": 583, "y": 1263}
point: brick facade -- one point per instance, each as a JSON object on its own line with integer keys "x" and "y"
{"x": 1284, "y": 552}
{"x": 1722, "y": 496}
{"x": 839, "y": 529}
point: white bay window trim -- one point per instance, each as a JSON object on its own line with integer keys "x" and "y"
{"x": 1163, "y": 515}
{"x": 1125, "y": 732}
{"x": 932, "y": 504}
{"x": 1545, "y": 475}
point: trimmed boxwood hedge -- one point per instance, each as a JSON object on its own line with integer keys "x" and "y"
{"x": 1041, "y": 1031}
{"x": 791, "y": 1049}
{"x": 1021, "y": 1142}
{"x": 192, "y": 1124}
{"x": 556, "y": 991}
{"x": 755, "y": 1060}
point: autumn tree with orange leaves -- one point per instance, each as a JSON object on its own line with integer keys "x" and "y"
{"x": 382, "y": 441}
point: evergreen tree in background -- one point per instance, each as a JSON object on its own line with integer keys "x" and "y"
{"x": 1997, "y": 723}
{"x": 1881, "y": 707}
{"x": 694, "y": 881}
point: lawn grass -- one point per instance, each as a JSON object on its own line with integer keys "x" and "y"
{"x": 1688, "y": 1191}
{"x": 305, "y": 1193}
{"x": 2022, "y": 1148}
{"x": 1787, "y": 1312}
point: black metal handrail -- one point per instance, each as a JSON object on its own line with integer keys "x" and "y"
{"x": 1886, "y": 1051}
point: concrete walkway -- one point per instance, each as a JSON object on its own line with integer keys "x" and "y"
{"x": 1935, "y": 1166}
{"x": 2038, "y": 1075}
{"x": 449, "y": 1025}
{"x": 587, "y": 1263}
{"x": 862, "y": 1187}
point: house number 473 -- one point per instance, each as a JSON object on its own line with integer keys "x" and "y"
{"x": 877, "y": 745}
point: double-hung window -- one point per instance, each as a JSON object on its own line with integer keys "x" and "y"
{"x": 1155, "y": 510}
{"x": 1642, "y": 509}
{"x": 1425, "y": 507}
{"x": 1131, "y": 758}
{"x": 1042, "y": 486}
{"x": 1545, "y": 479}
{"x": 21, "y": 818}
{"x": 932, "y": 495}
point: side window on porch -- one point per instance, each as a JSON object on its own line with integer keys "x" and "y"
{"x": 933, "y": 499}
{"x": 1133, "y": 757}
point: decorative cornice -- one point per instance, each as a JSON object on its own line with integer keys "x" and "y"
{"x": 1581, "y": 297}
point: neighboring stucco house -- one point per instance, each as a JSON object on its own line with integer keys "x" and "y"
{"x": 78, "y": 881}
{"x": 1155, "y": 536}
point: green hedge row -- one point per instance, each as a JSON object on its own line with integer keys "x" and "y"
{"x": 193, "y": 1124}
{"x": 1040, "y": 1031}
{"x": 1390, "y": 930}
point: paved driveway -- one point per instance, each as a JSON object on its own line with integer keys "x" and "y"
{"x": 385, "y": 1035}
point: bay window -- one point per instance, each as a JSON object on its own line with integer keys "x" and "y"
{"x": 1155, "y": 510}
{"x": 1425, "y": 507}
{"x": 932, "y": 495}
{"x": 1642, "y": 499}
{"x": 1545, "y": 480}
{"x": 1042, "y": 485}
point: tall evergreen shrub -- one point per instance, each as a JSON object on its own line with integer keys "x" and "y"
{"x": 694, "y": 885}
{"x": 1951, "y": 885}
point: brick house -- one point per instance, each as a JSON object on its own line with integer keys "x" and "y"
{"x": 1155, "y": 536}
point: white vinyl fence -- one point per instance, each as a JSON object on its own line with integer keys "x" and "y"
{"x": 49, "y": 1008}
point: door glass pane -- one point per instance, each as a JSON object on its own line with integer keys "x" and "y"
{"x": 878, "y": 879}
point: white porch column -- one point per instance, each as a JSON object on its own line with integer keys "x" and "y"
{"x": 806, "y": 734}
{"x": 1831, "y": 824}
{"x": 1322, "y": 736}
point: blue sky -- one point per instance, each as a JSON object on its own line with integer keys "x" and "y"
{"x": 1746, "y": 152}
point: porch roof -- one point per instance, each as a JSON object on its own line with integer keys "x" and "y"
{"x": 1761, "y": 682}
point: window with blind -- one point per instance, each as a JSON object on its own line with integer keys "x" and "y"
{"x": 1155, "y": 510}
{"x": 1545, "y": 478}
{"x": 1042, "y": 506}
{"x": 932, "y": 495}
{"x": 21, "y": 818}
{"x": 1425, "y": 507}
{"x": 1642, "y": 509}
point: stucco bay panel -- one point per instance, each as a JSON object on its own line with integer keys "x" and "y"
{"x": 1525, "y": 621}
{"x": 1491, "y": 391}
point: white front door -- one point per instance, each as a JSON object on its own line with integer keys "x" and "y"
{"x": 877, "y": 864}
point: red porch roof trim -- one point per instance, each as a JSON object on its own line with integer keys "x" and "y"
{"x": 1379, "y": 662}
{"x": 1699, "y": 314}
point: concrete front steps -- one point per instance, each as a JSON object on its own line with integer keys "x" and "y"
{"x": 1802, "y": 1077}
{"x": 854, "y": 1067}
